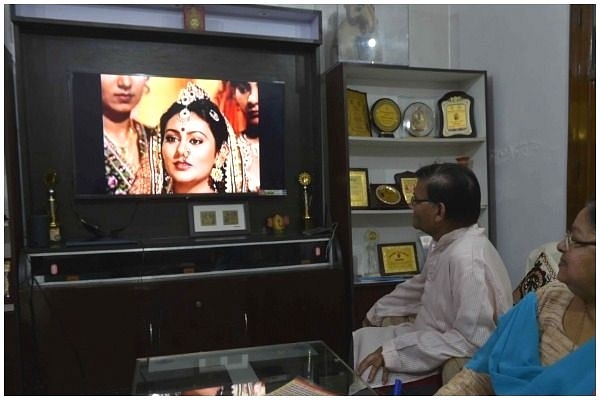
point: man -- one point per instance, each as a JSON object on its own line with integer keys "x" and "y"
{"x": 457, "y": 298}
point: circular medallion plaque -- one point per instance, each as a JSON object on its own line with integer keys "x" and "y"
{"x": 388, "y": 194}
{"x": 386, "y": 115}
{"x": 418, "y": 119}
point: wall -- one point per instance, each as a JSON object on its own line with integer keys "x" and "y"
{"x": 525, "y": 49}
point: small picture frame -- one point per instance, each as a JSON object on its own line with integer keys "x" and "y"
{"x": 398, "y": 259}
{"x": 359, "y": 188}
{"x": 221, "y": 219}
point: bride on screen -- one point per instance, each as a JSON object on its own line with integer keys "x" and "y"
{"x": 199, "y": 149}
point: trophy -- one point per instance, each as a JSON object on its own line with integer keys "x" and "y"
{"x": 371, "y": 240}
{"x": 51, "y": 179}
{"x": 304, "y": 180}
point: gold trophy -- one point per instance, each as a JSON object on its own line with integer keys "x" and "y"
{"x": 305, "y": 179}
{"x": 51, "y": 179}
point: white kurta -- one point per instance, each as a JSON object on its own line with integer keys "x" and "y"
{"x": 457, "y": 298}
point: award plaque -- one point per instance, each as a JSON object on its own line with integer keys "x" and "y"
{"x": 398, "y": 259}
{"x": 456, "y": 115}
{"x": 358, "y": 113}
{"x": 359, "y": 183}
{"x": 385, "y": 196}
{"x": 418, "y": 119}
{"x": 406, "y": 181}
{"x": 386, "y": 116}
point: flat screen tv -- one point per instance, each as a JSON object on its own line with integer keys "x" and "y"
{"x": 235, "y": 148}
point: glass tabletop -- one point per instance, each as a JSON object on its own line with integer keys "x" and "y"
{"x": 287, "y": 369}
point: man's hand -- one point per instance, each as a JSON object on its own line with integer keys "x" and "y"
{"x": 375, "y": 361}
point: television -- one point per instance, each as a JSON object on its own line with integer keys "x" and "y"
{"x": 112, "y": 161}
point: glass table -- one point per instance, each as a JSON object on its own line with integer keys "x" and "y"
{"x": 287, "y": 369}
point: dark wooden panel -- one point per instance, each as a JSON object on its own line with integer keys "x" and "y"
{"x": 299, "y": 306}
{"x": 581, "y": 161}
{"x": 364, "y": 297}
{"x": 83, "y": 340}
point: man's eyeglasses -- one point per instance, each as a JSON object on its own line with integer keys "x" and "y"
{"x": 571, "y": 243}
{"x": 417, "y": 201}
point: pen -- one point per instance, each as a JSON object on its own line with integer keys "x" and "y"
{"x": 397, "y": 387}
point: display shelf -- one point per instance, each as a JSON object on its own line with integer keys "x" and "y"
{"x": 383, "y": 157}
{"x": 178, "y": 260}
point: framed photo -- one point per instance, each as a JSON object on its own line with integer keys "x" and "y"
{"x": 359, "y": 188}
{"x": 222, "y": 219}
{"x": 398, "y": 259}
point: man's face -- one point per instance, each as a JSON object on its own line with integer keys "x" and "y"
{"x": 121, "y": 93}
{"x": 424, "y": 211}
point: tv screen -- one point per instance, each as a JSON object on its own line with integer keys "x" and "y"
{"x": 142, "y": 135}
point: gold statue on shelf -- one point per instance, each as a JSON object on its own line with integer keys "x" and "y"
{"x": 51, "y": 179}
{"x": 304, "y": 179}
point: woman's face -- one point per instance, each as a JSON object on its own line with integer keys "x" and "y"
{"x": 121, "y": 93}
{"x": 246, "y": 96}
{"x": 188, "y": 152}
{"x": 577, "y": 266}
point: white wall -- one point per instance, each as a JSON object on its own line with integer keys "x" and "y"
{"x": 525, "y": 49}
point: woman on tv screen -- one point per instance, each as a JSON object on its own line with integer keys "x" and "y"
{"x": 195, "y": 145}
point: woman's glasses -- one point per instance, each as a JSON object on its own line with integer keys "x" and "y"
{"x": 571, "y": 243}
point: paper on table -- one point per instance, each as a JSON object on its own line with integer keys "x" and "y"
{"x": 300, "y": 386}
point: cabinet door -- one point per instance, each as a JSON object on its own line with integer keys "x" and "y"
{"x": 298, "y": 306}
{"x": 80, "y": 340}
{"x": 198, "y": 315}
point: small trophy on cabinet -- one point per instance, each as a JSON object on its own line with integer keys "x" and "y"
{"x": 371, "y": 240}
{"x": 304, "y": 179}
{"x": 51, "y": 180}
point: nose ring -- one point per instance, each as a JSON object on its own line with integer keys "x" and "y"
{"x": 186, "y": 152}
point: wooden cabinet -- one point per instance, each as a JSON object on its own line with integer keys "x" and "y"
{"x": 82, "y": 337}
{"x": 383, "y": 157}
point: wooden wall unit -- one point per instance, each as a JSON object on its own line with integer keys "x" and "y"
{"x": 82, "y": 337}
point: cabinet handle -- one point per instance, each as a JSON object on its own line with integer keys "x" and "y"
{"x": 151, "y": 333}
{"x": 198, "y": 304}
{"x": 246, "y": 322}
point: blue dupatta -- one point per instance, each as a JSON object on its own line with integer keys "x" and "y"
{"x": 511, "y": 358}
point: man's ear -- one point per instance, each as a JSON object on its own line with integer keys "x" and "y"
{"x": 441, "y": 212}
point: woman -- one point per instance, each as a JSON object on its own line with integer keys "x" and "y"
{"x": 130, "y": 148}
{"x": 546, "y": 345}
{"x": 195, "y": 147}
{"x": 239, "y": 102}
